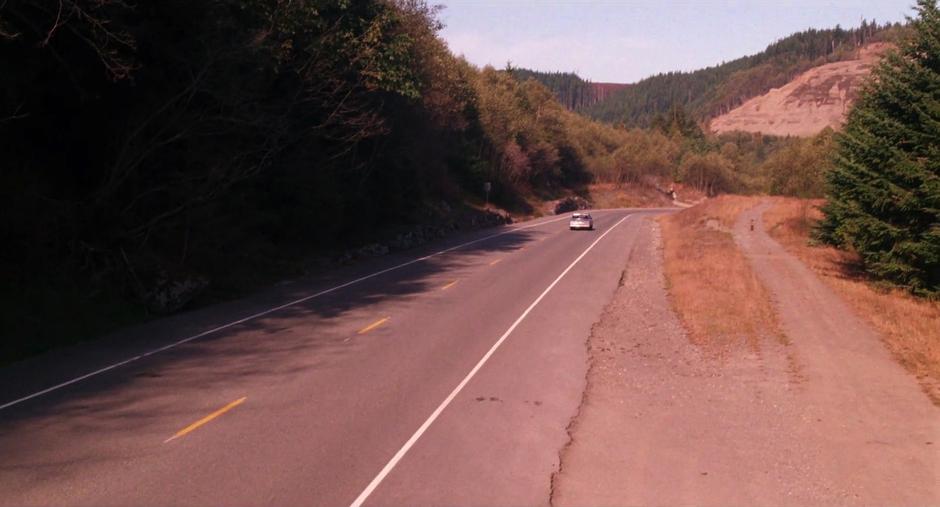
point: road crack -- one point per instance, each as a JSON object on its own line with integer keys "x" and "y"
{"x": 588, "y": 374}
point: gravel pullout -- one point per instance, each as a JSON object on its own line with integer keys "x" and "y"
{"x": 663, "y": 422}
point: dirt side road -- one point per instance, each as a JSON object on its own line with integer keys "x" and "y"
{"x": 821, "y": 420}
{"x": 886, "y": 440}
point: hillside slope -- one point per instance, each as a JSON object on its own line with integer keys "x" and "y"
{"x": 814, "y": 100}
{"x": 712, "y": 91}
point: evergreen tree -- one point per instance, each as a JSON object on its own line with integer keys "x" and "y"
{"x": 884, "y": 190}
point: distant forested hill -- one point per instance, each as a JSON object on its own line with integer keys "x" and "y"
{"x": 708, "y": 92}
{"x": 571, "y": 90}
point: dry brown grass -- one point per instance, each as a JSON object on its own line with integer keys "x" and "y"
{"x": 711, "y": 285}
{"x": 637, "y": 195}
{"x": 909, "y": 326}
{"x": 609, "y": 195}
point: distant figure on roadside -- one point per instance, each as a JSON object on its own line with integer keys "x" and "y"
{"x": 672, "y": 193}
{"x": 752, "y": 224}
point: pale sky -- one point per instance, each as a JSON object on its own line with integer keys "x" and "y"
{"x": 627, "y": 40}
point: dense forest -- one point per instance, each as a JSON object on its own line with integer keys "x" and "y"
{"x": 156, "y": 151}
{"x": 574, "y": 93}
{"x": 709, "y": 92}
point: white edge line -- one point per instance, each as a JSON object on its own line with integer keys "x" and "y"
{"x": 263, "y": 313}
{"x": 453, "y": 394}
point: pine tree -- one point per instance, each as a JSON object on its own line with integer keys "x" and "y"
{"x": 884, "y": 190}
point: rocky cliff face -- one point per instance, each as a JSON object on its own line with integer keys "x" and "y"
{"x": 819, "y": 98}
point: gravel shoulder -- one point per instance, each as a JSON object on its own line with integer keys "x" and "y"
{"x": 814, "y": 419}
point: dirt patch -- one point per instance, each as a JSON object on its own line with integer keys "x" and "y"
{"x": 910, "y": 327}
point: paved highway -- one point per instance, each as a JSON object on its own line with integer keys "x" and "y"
{"x": 442, "y": 376}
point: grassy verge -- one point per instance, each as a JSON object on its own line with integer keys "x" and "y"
{"x": 712, "y": 288}
{"x": 909, "y": 326}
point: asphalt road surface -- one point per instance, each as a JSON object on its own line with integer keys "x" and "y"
{"x": 442, "y": 376}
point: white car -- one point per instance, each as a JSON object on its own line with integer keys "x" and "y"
{"x": 581, "y": 221}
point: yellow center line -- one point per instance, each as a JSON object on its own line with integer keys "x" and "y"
{"x": 206, "y": 419}
{"x": 451, "y": 284}
{"x": 495, "y": 262}
{"x": 374, "y": 325}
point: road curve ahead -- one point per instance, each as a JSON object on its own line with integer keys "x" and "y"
{"x": 444, "y": 377}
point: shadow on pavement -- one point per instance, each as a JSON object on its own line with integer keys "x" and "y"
{"x": 275, "y": 346}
